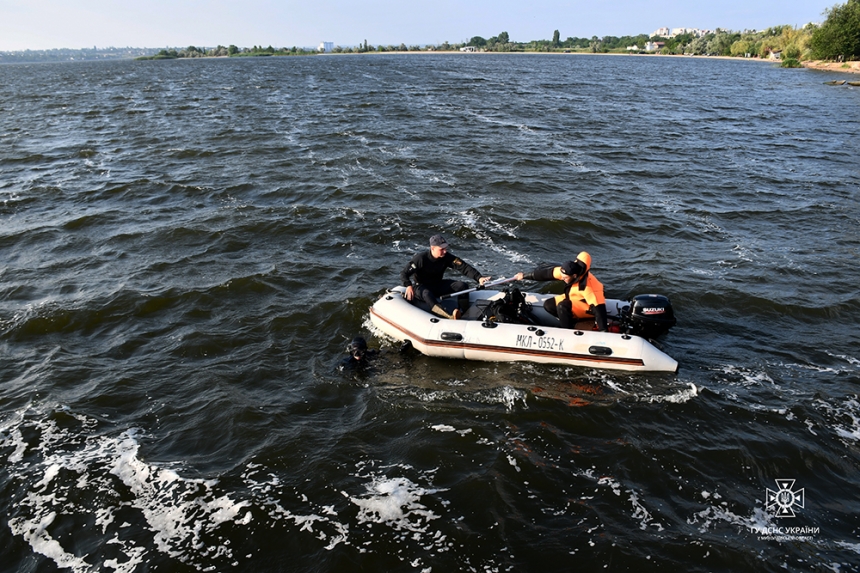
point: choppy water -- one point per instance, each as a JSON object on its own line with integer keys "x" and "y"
{"x": 186, "y": 248}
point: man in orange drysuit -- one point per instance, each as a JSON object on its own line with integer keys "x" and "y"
{"x": 583, "y": 293}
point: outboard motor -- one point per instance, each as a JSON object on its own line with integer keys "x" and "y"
{"x": 649, "y": 315}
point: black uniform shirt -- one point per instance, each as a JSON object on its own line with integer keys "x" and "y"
{"x": 429, "y": 272}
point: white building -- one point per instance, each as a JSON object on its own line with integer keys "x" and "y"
{"x": 667, "y": 33}
{"x": 325, "y": 47}
{"x": 692, "y": 31}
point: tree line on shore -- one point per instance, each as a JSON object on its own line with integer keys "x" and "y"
{"x": 838, "y": 38}
{"x": 222, "y": 51}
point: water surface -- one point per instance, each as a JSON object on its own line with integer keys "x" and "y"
{"x": 186, "y": 247}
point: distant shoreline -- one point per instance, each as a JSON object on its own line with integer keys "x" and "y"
{"x": 845, "y": 67}
{"x": 852, "y": 67}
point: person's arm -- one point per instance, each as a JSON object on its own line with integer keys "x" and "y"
{"x": 538, "y": 274}
{"x": 406, "y": 274}
{"x": 466, "y": 269}
{"x": 406, "y": 277}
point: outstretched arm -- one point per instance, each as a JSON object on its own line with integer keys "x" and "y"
{"x": 539, "y": 274}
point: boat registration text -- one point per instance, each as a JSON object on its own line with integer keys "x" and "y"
{"x": 540, "y": 342}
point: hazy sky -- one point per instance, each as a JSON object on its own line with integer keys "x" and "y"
{"x": 45, "y": 24}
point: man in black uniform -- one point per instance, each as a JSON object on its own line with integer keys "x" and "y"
{"x": 423, "y": 276}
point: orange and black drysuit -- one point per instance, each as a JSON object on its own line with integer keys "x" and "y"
{"x": 582, "y": 298}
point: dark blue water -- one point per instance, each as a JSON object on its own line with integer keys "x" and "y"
{"x": 187, "y": 247}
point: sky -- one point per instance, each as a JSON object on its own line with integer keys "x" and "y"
{"x": 49, "y": 24}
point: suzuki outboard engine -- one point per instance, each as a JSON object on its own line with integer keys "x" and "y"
{"x": 649, "y": 315}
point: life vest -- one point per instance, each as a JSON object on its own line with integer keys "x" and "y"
{"x": 584, "y": 294}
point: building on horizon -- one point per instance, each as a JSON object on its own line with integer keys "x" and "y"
{"x": 671, "y": 33}
{"x": 326, "y": 47}
{"x": 692, "y": 31}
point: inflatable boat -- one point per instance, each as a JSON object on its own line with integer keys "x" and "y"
{"x": 507, "y": 326}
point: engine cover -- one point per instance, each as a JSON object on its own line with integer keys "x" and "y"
{"x": 651, "y": 315}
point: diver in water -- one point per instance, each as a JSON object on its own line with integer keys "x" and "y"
{"x": 359, "y": 356}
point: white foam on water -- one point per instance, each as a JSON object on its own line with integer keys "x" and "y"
{"x": 177, "y": 509}
{"x": 10, "y": 436}
{"x": 705, "y": 272}
{"x": 855, "y": 547}
{"x": 509, "y": 230}
{"x": 746, "y": 377}
{"x": 510, "y": 397}
{"x": 34, "y": 532}
{"x": 678, "y": 397}
{"x": 28, "y": 312}
{"x": 479, "y": 226}
{"x": 744, "y": 253}
{"x": 322, "y": 527}
{"x": 135, "y": 555}
{"x": 186, "y": 517}
{"x": 395, "y": 502}
{"x": 613, "y": 384}
{"x": 677, "y": 393}
{"x": 715, "y": 514}
{"x": 63, "y": 464}
{"x": 640, "y": 512}
{"x": 443, "y": 428}
{"x": 817, "y": 369}
{"x": 428, "y": 175}
{"x": 393, "y": 506}
{"x": 13, "y": 196}
{"x": 844, "y": 418}
{"x": 849, "y": 359}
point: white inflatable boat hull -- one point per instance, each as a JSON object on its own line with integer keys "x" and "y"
{"x": 506, "y": 342}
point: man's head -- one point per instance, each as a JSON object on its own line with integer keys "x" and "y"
{"x": 572, "y": 271}
{"x": 357, "y": 348}
{"x": 438, "y": 246}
